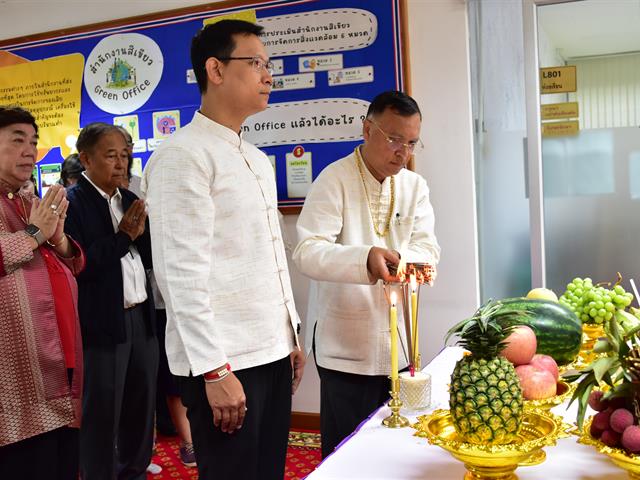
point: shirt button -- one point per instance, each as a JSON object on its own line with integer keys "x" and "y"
{"x": 275, "y": 239}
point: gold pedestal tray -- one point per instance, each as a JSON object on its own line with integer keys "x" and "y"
{"x": 627, "y": 461}
{"x": 494, "y": 462}
{"x": 564, "y": 391}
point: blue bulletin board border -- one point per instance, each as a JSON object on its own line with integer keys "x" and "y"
{"x": 347, "y": 75}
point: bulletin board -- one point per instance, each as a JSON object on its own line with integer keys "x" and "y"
{"x": 331, "y": 58}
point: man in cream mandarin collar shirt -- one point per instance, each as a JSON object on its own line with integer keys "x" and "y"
{"x": 363, "y": 213}
{"x": 220, "y": 263}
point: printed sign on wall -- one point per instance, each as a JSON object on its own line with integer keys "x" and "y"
{"x": 331, "y": 58}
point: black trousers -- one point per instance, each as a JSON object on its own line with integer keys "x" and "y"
{"x": 346, "y": 399}
{"x": 51, "y": 455}
{"x": 116, "y": 436}
{"x": 258, "y": 450}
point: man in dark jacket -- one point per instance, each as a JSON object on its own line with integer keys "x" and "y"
{"x": 116, "y": 311}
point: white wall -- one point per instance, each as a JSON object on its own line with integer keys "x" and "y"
{"x": 440, "y": 83}
{"x": 439, "y": 44}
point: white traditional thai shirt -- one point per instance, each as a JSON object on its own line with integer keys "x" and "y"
{"x": 218, "y": 253}
{"x": 335, "y": 234}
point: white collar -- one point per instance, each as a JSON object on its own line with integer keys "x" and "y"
{"x": 104, "y": 195}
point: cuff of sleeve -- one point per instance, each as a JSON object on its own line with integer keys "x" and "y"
{"x": 410, "y": 256}
{"x": 210, "y": 365}
{"x": 124, "y": 242}
{"x": 364, "y": 271}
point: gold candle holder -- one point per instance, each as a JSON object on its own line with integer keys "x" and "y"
{"x": 395, "y": 420}
{"x": 423, "y": 273}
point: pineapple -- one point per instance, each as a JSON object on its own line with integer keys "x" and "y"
{"x": 485, "y": 396}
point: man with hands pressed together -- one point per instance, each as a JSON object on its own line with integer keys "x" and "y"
{"x": 363, "y": 213}
{"x": 116, "y": 311}
{"x": 41, "y": 348}
{"x": 221, "y": 266}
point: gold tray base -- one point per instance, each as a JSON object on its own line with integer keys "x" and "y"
{"x": 495, "y": 462}
{"x": 624, "y": 460}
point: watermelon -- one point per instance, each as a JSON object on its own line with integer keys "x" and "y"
{"x": 558, "y": 330}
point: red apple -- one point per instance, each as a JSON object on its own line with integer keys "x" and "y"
{"x": 536, "y": 384}
{"x": 545, "y": 362}
{"x": 525, "y": 370}
{"x": 521, "y": 345}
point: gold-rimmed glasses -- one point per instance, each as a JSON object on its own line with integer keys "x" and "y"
{"x": 396, "y": 145}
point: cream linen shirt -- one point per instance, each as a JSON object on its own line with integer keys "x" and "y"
{"x": 133, "y": 274}
{"x": 218, "y": 253}
{"x": 335, "y": 234}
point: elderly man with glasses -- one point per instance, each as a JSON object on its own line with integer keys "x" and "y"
{"x": 363, "y": 213}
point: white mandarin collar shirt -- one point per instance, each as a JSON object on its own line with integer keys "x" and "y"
{"x": 133, "y": 275}
{"x": 218, "y": 253}
{"x": 335, "y": 234}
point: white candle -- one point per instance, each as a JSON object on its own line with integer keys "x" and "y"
{"x": 415, "y": 391}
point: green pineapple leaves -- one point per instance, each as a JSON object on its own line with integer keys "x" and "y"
{"x": 484, "y": 333}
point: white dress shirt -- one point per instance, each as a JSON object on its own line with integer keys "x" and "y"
{"x": 133, "y": 275}
{"x": 335, "y": 234}
{"x": 218, "y": 253}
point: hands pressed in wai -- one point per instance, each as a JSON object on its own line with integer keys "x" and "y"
{"x": 49, "y": 213}
{"x": 133, "y": 221}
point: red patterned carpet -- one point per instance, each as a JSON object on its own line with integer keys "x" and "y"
{"x": 303, "y": 456}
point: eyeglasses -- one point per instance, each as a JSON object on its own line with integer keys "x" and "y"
{"x": 397, "y": 145}
{"x": 256, "y": 62}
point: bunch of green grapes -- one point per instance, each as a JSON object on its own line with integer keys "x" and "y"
{"x": 594, "y": 303}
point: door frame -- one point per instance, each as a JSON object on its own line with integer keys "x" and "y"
{"x": 533, "y": 152}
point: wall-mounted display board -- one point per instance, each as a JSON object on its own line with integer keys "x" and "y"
{"x": 331, "y": 58}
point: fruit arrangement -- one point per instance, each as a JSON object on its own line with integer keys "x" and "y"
{"x": 611, "y": 386}
{"x": 595, "y": 303}
{"x": 485, "y": 397}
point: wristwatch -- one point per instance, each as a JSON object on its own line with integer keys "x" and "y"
{"x": 35, "y": 233}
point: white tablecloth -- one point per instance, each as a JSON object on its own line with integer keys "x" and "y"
{"x": 375, "y": 452}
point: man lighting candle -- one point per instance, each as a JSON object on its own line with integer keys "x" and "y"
{"x": 363, "y": 212}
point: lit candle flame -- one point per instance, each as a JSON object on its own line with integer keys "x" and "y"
{"x": 414, "y": 283}
{"x": 393, "y": 299}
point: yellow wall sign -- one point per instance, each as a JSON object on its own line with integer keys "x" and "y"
{"x": 560, "y": 129}
{"x": 558, "y": 79}
{"x": 51, "y": 90}
{"x": 556, "y": 111}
